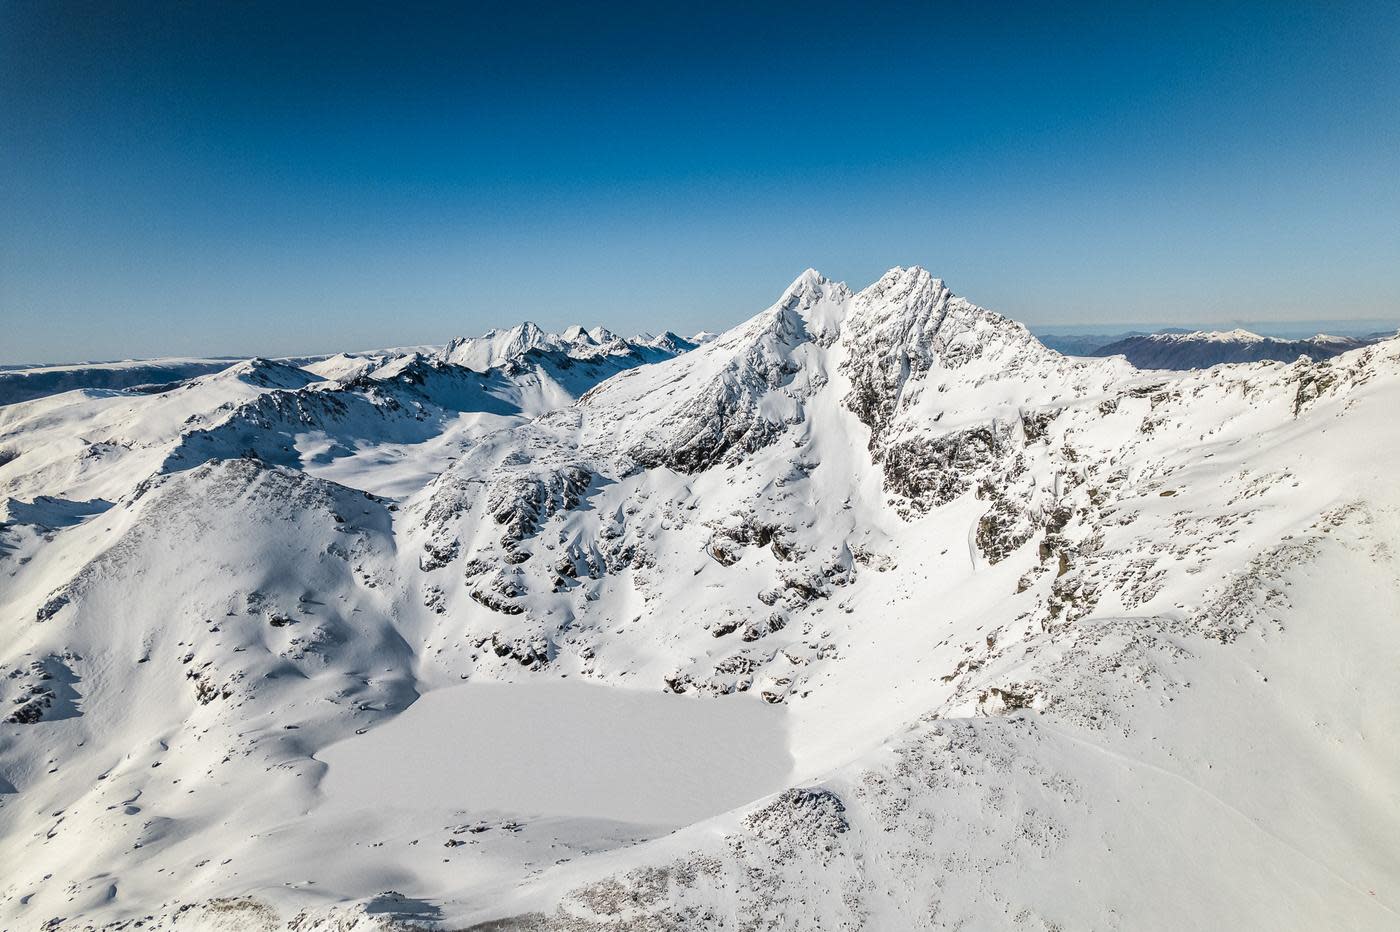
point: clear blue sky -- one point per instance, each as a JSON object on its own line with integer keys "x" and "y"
{"x": 237, "y": 178}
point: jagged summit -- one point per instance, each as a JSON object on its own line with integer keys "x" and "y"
{"x": 740, "y": 391}
{"x": 805, "y": 286}
{"x": 819, "y": 301}
{"x": 908, "y": 298}
{"x": 496, "y": 347}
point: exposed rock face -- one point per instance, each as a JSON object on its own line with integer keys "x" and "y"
{"x": 41, "y": 690}
{"x": 928, "y": 472}
{"x": 520, "y": 501}
{"x": 907, "y": 324}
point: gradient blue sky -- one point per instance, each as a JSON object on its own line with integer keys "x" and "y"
{"x": 238, "y": 178}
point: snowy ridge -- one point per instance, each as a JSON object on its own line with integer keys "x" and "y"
{"x": 1238, "y": 335}
{"x": 728, "y": 397}
{"x": 1050, "y": 640}
{"x": 1202, "y": 349}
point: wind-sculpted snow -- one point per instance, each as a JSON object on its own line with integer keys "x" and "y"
{"x": 1052, "y": 643}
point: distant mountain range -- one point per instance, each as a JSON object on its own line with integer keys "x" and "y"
{"x": 1167, "y": 348}
{"x": 596, "y": 346}
{"x": 1200, "y": 349}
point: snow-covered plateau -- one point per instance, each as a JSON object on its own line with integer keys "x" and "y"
{"x": 869, "y": 613}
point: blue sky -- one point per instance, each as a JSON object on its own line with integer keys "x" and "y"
{"x": 219, "y": 178}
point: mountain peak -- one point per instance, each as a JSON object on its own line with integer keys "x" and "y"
{"x": 809, "y": 282}
{"x": 496, "y": 347}
{"x": 907, "y": 286}
{"x": 820, "y": 302}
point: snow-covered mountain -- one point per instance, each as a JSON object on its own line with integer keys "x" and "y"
{"x": 1201, "y": 349}
{"x": 500, "y": 347}
{"x": 871, "y": 612}
{"x": 28, "y": 383}
{"x": 495, "y": 349}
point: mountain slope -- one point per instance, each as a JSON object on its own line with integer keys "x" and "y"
{"x": 1054, "y": 643}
